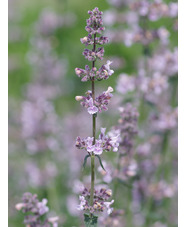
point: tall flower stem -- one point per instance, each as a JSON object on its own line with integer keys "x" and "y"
{"x": 93, "y": 146}
{"x": 94, "y": 135}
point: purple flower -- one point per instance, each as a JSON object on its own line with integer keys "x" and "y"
{"x": 100, "y": 103}
{"x": 104, "y": 143}
{"x": 100, "y": 198}
{"x": 95, "y": 22}
{"x": 42, "y": 207}
{"x": 92, "y": 109}
{"x": 89, "y": 146}
{"x": 97, "y": 148}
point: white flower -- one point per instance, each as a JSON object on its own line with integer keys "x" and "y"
{"x": 115, "y": 142}
{"x": 42, "y": 207}
{"x": 92, "y": 109}
{"x": 109, "y": 90}
{"x": 82, "y": 203}
{"x": 79, "y": 98}
{"x": 109, "y": 209}
{"x": 107, "y": 66}
{"x": 54, "y": 220}
{"x": 19, "y": 206}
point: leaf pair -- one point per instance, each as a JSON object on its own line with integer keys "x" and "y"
{"x": 87, "y": 156}
{"x": 90, "y": 221}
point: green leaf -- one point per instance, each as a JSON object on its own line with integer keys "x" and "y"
{"x": 100, "y": 162}
{"x": 90, "y": 221}
{"x": 85, "y": 160}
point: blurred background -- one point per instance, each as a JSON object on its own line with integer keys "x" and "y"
{"x": 45, "y": 119}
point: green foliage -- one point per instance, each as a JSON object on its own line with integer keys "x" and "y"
{"x": 100, "y": 162}
{"x": 85, "y": 160}
{"x": 90, "y": 221}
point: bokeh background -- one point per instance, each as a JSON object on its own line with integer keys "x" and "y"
{"x": 45, "y": 119}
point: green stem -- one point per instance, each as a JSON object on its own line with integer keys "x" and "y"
{"x": 94, "y": 136}
{"x": 92, "y": 180}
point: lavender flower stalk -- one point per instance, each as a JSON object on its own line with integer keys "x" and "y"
{"x": 94, "y": 201}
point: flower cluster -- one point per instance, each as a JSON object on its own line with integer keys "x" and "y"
{"x": 100, "y": 201}
{"x": 87, "y": 74}
{"x": 88, "y": 40}
{"x": 165, "y": 61}
{"x": 115, "y": 219}
{"x": 95, "y": 22}
{"x": 35, "y": 209}
{"x": 155, "y": 10}
{"x": 100, "y": 103}
{"x": 161, "y": 65}
{"x": 139, "y": 35}
{"x": 127, "y": 126}
{"x": 93, "y": 55}
{"x": 140, "y": 12}
{"x": 104, "y": 143}
{"x": 94, "y": 27}
{"x": 126, "y": 83}
{"x": 161, "y": 190}
{"x": 166, "y": 120}
{"x": 39, "y": 119}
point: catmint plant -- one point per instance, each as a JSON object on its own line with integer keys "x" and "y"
{"x": 34, "y": 210}
{"x": 93, "y": 201}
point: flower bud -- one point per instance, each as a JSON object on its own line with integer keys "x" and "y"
{"x": 106, "y": 73}
{"x": 77, "y": 143}
{"x": 53, "y": 219}
{"x": 19, "y": 206}
{"x": 109, "y": 192}
{"x": 120, "y": 121}
{"x": 79, "y": 98}
{"x": 78, "y": 72}
{"x": 84, "y": 40}
{"x": 109, "y": 90}
{"x": 95, "y": 206}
